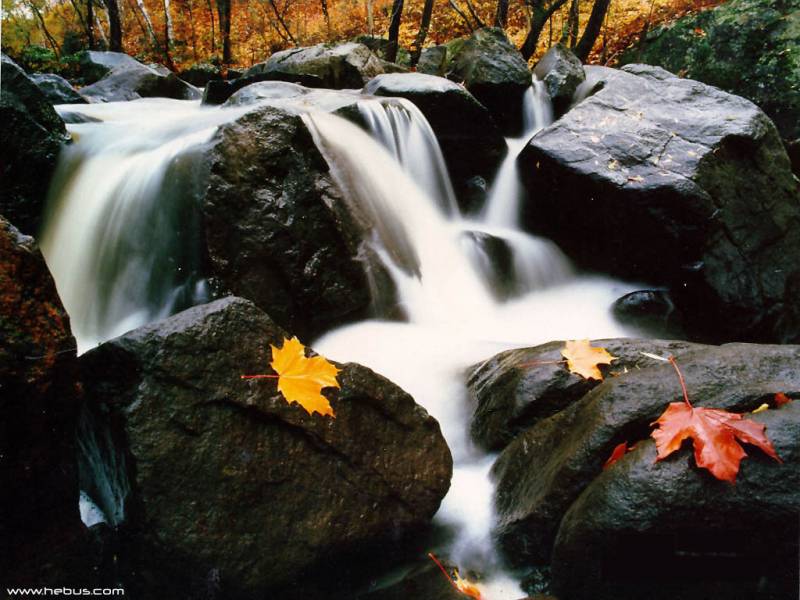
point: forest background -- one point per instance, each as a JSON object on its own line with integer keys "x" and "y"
{"x": 216, "y": 35}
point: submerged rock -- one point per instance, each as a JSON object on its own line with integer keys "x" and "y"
{"x": 57, "y": 89}
{"x": 493, "y": 71}
{"x": 31, "y": 134}
{"x": 672, "y": 181}
{"x": 562, "y": 73}
{"x": 42, "y": 540}
{"x": 668, "y": 530}
{"x": 227, "y": 477}
{"x": 469, "y": 151}
{"x": 120, "y": 77}
{"x": 545, "y": 469}
{"x": 276, "y": 227}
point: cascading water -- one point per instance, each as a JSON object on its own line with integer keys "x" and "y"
{"x": 123, "y": 213}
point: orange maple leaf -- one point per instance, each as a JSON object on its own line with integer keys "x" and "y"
{"x": 582, "y": 359}
{"x": 301, "y": 379}
{"x": 461, "y": 585}
{"x": 781, "y": 399}
{"x": 714, "y": 433}
{"x": 619, "y": 451}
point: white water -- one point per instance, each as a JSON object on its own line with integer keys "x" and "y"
{"x": 111, "y": 229}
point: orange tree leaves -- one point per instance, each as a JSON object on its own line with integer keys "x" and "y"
{"x": 583, "y": 359}
{"x": 714, "y": 433}
{"x": 301, "y": 379}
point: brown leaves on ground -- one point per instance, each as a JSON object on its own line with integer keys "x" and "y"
{"x": 716, "y": 435}
{"x": 583, "y": 359}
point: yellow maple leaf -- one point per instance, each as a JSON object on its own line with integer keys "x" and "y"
{"x": 582, "y": 359}
{"x": 301, "y": 379}
{"x": 465, "y": 587}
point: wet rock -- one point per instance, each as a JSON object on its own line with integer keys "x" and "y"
{"x": 562, "y": 73}
{"x": 380, "y": 47}
{"x": 230, "y": 482}
{"x": 748, "y": 47}
{"x": 493, "y": 258}
{"x": 349, "y": 65}
{"x": 674, "y": 182}
{"x": 544, "y": 470}
{"x": 669, "y": 530}
{"x": 424, "y": 580}
{"x": 41, "y": 536}
{"x": 653, "y": 309}
{"x": 123, "y": 78}
{"x": 516, "y": 389}
{"x": 199, "y": 74}
{"x": 469, "y": 151}
{"x": 493, "y": 71}
{"x": 56, "y": 89}
{"x": 276, "y": 228}
{"x": 433, "y": 61}
{"x": 31, "y": 134}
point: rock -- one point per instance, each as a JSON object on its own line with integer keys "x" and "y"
{"x": 652, "y": 309}
{"x": 227, "y": 480}
{"x": 433, "y": 61}
{"x": 562, "y": 73}
{"x": 276, "y": 227}
{"x": 493, "y": 71}
{"x": 31, "y": 134}
{"x": 423, "y": 580}
{"x": 516, "y": 389}
{"x": 200, "y": 74}
{"x": 41, "y": 536}
{"x": 748, "y": 47}
{"x": 123, "y": 78}
{"x": 380, "y": 47}
{"x": 469, "y": 151}
{"x": 677, "y": 183}
{"x": 349, "y": 65}
{"x": 669, "y": 530}
{"x": 544, "y": 470}
{"x": 493, "y": 258}
{"x": 265, "y": 90}
{"x": 56, "y": 89}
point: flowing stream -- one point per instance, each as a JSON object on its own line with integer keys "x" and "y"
{"x": 123, "y": 244}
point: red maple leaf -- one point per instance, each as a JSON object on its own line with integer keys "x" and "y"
{"x": 781, "y": 399}
{"x": 714, "y": 433}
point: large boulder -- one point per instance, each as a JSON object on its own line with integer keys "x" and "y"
{"x": 668, "y": 530}
{"x": 41, "y": 535}
{"x": 123, "y": 78}
{"x": 544, "y": 470}
{"x": 672, "y": 181}
{"x": 200, "y": 74}
{"x": 516, "y": 389}
{"x": 229, "y": 483}
{"x": 562, "y": 73}
{"x": 276, "y": 227}
{"x": 469, "y": 151}
{"x": 433, "y": 61}
{"x": 31, "y": 134}
{"x": 493, "y": 70}
{"x": 747, "y": 47}
{"x": 349, "y": 65}
{"x": 56, "y": 89}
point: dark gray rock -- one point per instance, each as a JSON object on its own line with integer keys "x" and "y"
{"x": 562, "y": 73}
{"x": 433, "y": 61}
{"x": 677, "y": 183}
{"x": 276, "y": 228}
{"x": 199, "y": 74}
{"x": 31, "y": 134}
{"x": 493, "y": 71}
{"x": 57, "y": 89}
{"x": 669, "y": 530}
{"x": 651, "y": 309}
{"x": 544, "y": 470}
{"x": 42, "y": 540}
{"x": 123, "y": 78}
{"x": 469, "y": 151}
{"x": 349, "y": 65}
{"x": 516, "y": 389}
{"x": 226, "y": 476}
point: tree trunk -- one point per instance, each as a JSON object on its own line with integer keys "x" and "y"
{"x": 100, "y": 30}
{"x": 592, "y": 30}
{"x": 501, "y": 16}
{"x": 541, "y": 14}
{"x": 90, "y": 23}
{"x": 224, "y": 14}
{"x": 192, "y": 29}
{"x": 213, "y": 31}
{"x": 370, "y": 18}
{"x": 574, "y": 23}
{"x": 168, "y": 31}
{"x": 282, "y": 22}
{"x": 394, "y": 30}
{"x": 474, "y": 14}
{"x": 424, "y": 25}
{"x": 461, "y": 14}
{"x": 114, "y": 25}
{"x": 324, "y": 6}
{"x": 50, "y": 39}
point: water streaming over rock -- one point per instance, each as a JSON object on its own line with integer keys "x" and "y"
{"x": 123, "y": 239}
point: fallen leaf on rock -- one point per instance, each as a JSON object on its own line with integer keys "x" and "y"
{"x": 466, "y": 588}
{"x": 781, "y": 399}
{"x": 760, "y": 409}
{"x": 714, "y": 433}
{"x": 619, "y": 451}
{"x": 583, "y": 359}
{"x": 301, "y": 379}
